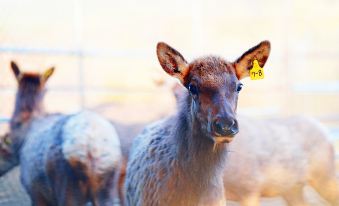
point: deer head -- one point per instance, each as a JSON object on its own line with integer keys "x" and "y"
{"x": 213, "y": 84}
{"x": 31, "y": 87}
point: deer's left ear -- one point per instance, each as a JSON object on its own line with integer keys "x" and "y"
{"x": 172, "y": 61}
{"x": 244, "y": 63}
{"x": 45, "y": 76}
{"x": 16, "y": 70}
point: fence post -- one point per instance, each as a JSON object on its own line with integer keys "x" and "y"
{"x": 78, "y": 39}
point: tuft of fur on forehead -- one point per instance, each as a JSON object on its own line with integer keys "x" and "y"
{"x": 210, "y": 69}
{"x": 30, "y": 78}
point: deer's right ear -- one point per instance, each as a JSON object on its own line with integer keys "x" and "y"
{"x": 15, "y": 70}
{"x": 47, "y": 74}
{"x": 244, "y": 63}
{"x": 172, "y": 61}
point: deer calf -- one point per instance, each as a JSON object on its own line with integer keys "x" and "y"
{"x": 179, "y": 161}
{"x": 278, "y": 157}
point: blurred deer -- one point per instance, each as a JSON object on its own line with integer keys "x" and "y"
{"x": 179, "y": 161}
{"x": 65, "y": 159}
{"x": 7, "y": 157}
{"x": 278, "y": 157}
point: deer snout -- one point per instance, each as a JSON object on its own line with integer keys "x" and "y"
{"x": 225, "y": 127}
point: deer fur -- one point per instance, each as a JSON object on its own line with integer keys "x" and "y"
{"x": 180, "y": 160}
{"x": 64, "y": 159}
{"x": 280, "y": 156}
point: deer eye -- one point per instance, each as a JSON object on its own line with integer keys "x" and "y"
{"x": 239, "y": 87}
{"x": 193, "y": 89}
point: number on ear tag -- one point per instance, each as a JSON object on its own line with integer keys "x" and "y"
{"x": 256, "y": 72}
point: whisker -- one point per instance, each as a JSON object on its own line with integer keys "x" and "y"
{"x": 215, "y": 146}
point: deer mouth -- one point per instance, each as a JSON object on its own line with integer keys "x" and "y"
{"x": 223, "y": 139}
{"x": 219, "y": 138}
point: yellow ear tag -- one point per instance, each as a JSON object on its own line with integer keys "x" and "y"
{"x": 256, "y": 72}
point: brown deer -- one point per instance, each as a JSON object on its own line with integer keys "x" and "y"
{"x": 64, "y": 159}
{"x": 278, "y": 157}
{"x": 180, "y": 160}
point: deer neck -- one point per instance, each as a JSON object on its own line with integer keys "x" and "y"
{"x": 200, "y": 156}
{"x": 27, "y": 107}
{"x": 22, "y": 117}
{"x": 24, "y": 113}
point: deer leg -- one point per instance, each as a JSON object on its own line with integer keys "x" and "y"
{"x": 39, "y": 200}
{"x": 250, "y": 200}
{"x": 71, "y": 192}
{"x": 323, "y": 177}
{"x": 295, "y": 196}
{"x": 37, "y": 196}
{"x": 104, "y": 197}
{"x": 328, "y": 188}
{"x": 72, "y": 198}
{"x": 121, "y": 188}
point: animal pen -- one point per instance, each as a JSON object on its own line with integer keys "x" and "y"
{"x": 104, "y": 54}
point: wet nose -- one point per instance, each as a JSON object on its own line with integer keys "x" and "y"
{"x": 225, "y": 127}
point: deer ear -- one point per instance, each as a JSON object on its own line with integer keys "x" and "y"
{"x": 45, "y": 76}
{"x": 172, "y": 61}
{"x": 244, "y": 63}
{"x": 15, "y": 70}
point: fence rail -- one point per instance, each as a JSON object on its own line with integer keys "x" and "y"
{"x": 75, "y": 52}
{"x": 323, "y": 87}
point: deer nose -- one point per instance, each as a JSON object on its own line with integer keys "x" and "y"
{"x": 225, "y": 127}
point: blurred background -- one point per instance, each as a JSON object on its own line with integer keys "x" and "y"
{"x": 104, "y": 53}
